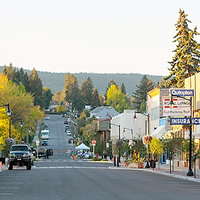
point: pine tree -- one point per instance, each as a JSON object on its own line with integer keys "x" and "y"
{"x": 140, "y": 94}
{"x": 123, "y": 88}
{"x": 25, "y": 81}
{"x": 72, "y": 92}
{"x": 185, "y": 62}
{"x": 95, "y": 99}
{"x": 47, "y": 97}
{"x": 36, "y": 87}
{"x": 87, "y": 90}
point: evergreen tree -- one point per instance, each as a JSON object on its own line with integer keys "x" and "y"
{"x": 95, "y": 99}
{"x": 123, "y": 88}
{"x": 25, "y": 81}
{"x": 72, "y": 92}
{"x": 140, "y": 94}
{"x": 9, "y": 71}
{"x": 185, "y": 62}
{"x": 47, "y": 97}
{"x": 87, "y": 90}
{"x": 36, "y": 87}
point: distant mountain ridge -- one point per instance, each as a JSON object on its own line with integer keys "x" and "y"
{"x": 55, "y": 81}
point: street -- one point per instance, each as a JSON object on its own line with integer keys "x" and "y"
{"x": 62, "y": 178}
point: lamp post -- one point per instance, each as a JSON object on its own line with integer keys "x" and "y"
{"x": 21, "y": 125}
{"x": 190, "y": 172}
{"x": 130, "y": 129}
{"x": 27, "y": 136}
{"x": 119, "y": 140}
{"x": 148, "y": 133}
{"x": 9, "y": 113}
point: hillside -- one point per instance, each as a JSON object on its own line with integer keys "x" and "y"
{"x": 55, "y": 81}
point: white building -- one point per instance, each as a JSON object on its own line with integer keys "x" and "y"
{"x": 125, "y": 126}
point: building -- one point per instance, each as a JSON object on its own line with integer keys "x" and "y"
{"x": 193, "y": 82}
{"x": 158, "y": 123}
{"x": 124, "y": 127}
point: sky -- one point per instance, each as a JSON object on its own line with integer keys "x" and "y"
{"x": 98, "y": 36}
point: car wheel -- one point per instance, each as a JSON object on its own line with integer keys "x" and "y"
{"x": 10, "y": 166}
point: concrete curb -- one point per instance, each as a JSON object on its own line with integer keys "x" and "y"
{"x": 161, "y": 173}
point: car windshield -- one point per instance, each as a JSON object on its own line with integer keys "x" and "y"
{"x": 19, "y": 148}
{"x": 45, "y": 133}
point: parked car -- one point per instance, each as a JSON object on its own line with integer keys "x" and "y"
{"x": 69, "y": 133}
{"x": 44, "y": 142}
{"x": 47, "y": 117}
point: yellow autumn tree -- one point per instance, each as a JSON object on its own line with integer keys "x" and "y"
{"x": 116, "y": 98}
{"x": 22, "y": 106}
{"x": 156, "y": 148}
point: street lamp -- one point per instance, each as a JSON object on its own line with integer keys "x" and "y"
{"x": 119, "y": 140}
{"x": 130, "y": 129}
{"x": 9, "y": 113}
{"x": 27, "y": 135}
{"x": 21, "y": 125}
{"x": 190, "y": 172}
{"x": 148, "y": 133}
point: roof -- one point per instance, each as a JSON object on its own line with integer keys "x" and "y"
{"x": 82, "y": 147}
{"x": 104, "y": 112}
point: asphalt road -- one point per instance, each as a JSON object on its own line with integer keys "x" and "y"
{"x": 62, "y": 178}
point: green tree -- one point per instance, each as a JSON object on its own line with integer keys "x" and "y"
{"x": 185, "y": 62}
{"x": 47, "y": 97}
{"x": 36, "y": 87}
{"x": 87, "y": 90}
{"x": 21, "y": 104}
{"x": 95, "y": 99}
{"x": 123, "y": 88}
{"x": 72, "y": 92}
{"x": 9, "y": 71}
{"x": 186, "y": 147}
{"x": 141, "y": 93}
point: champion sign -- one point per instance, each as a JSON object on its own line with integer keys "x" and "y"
{"x": 182, "y": 92}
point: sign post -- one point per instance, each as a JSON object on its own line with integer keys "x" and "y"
{"x": 183, "y": 93}
{"x": 93, "y": 144}
{"x": 37, "y": 144}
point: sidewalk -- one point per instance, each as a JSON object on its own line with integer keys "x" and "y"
{"x": 164, "y": 169}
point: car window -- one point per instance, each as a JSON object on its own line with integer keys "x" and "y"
{"x": 19, "y": 148}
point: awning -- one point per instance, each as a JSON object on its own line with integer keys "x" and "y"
{"x": 157, "y": 133}
{"x": 82, "y": 147}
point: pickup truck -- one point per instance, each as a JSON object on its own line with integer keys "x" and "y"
{"x": 44, "y": 152}
{"x": 21, "y": 155}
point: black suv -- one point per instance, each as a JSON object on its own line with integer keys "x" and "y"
{"x": 20, "y": 154}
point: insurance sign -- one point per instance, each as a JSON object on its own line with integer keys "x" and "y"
{"x": 180, "y": 107}
{"x": 182, "y": 92}
{"x": 184, "y": 121}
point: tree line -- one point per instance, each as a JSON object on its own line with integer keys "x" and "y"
{"x": 115, "y": 96}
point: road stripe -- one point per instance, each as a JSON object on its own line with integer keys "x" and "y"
{"x": 72, "y": 167}
{"x": 9, "y": 187}
{"x": 6, "y": 194}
